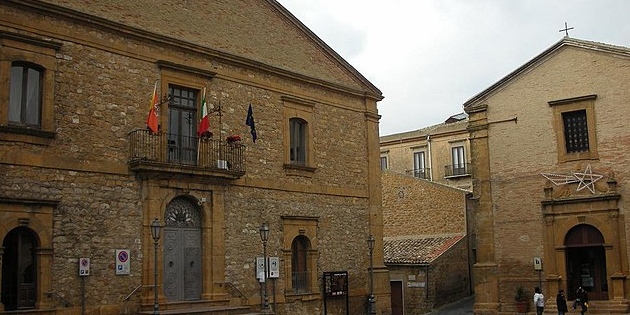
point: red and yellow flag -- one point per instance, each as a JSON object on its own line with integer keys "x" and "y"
{"x": 152, "y": 119}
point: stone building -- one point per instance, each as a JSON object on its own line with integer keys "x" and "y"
{"x": 82, "y": 178}
{"x": 426, "y": 246}
{"x": 548, "y": 146}
{"x": 439, "y": 153}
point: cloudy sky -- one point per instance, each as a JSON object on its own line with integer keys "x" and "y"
{"x": 428, "y": 57}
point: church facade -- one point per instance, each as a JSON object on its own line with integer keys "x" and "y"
{"x": 548, "y": 146}
{"x": 83, "y": 181}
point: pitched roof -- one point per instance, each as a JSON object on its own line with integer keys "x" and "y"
{"x": 277, "y": 41}
{"x": 565, "y": 42}
{"x": 412, "y": 250}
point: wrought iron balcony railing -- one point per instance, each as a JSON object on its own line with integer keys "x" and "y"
{"x": 462, "y": 169}
{"x": 150, "y": 151}
{"x": 420, "y": 173}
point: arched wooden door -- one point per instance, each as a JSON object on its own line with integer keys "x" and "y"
{"x": 586, "y": 262}
{"x": 19, "y": 267}
{"x": 182, "y": 251}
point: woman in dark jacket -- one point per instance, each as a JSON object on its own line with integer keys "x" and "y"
{"x": 561, "y": 302}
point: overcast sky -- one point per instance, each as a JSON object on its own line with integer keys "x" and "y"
{"x": 428, "y": 57}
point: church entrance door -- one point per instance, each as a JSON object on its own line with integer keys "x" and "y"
{"x": 182, "y": 251}
{"x": 586, "y": 262}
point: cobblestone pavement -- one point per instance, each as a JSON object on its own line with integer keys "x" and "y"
{"x": 463, "y": 306}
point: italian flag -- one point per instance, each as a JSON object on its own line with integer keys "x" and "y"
{"x": 152, "y": 119}
{"x": 204, "y": 123}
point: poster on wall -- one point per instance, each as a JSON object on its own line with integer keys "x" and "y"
{"x": 336, "y": 283}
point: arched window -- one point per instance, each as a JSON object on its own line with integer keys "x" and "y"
{"x": 25, "y": 96}
{"x": 297, "y": 153}
{"x": 299, "y": 268}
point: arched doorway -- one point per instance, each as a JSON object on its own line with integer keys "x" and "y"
{"x": 586, "y": 262}
{"x": 182, "y": 251}
{"x": 19, "y": 267}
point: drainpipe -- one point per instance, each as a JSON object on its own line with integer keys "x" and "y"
{"x": 429, "y": 157}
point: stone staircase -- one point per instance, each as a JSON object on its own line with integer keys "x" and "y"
{"x": 200, "y": 307}
{"x": 595, "y": 307}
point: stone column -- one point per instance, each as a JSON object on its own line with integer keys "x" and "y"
{"x": 485, "y": 270}
{"x": 375, "y": 215}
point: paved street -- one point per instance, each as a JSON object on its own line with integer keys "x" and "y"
{"x": 463, "y": 306}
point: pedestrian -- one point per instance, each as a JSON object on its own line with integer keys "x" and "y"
{"x": 561, "y": 302}
{"x": 539, "y": 301}
{"x": 581, "y": 300}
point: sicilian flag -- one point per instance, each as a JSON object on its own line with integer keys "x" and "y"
{"x": 204, "y": 123}
{"x": 250, "y": 122}
{"x": 152, "y": 119}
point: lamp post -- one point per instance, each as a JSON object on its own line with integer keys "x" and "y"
{"x": 264, "y": 236}
{"x": 155, "y": 233}
{"x": 371, "y": 298}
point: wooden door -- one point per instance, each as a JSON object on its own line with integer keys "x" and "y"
{"x": 19, "y": 270}
{"x": 397, "y": 297}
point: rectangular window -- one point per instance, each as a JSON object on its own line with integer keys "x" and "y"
{"x": 575, "y": 131}
{"x": 25, "y": 96}
{"x": 574, "y": 126}
{"x": 383, "y": 163}
{"x": 459, "y": 162}
{"x": 297, "y": 151}
{"x": 419, "y": 168}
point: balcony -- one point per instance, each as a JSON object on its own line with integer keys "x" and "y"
{"x": 423, "y": 173}
{"x": 457, "y": 170}
{"x": 173, "y": 153}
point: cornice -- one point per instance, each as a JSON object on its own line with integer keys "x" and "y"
{"x": 176, "y": 44}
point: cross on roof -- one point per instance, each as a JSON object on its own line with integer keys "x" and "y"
{"x": 566, "y": 29}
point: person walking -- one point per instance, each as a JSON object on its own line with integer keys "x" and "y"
{"x": 539, "y": 301}
{"x": 581, "y": 300}
{"x": 561, "y": 302}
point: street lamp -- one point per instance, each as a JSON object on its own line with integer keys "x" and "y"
{"x": 264, "y": 236}
{"x": 371, "y": 298}
{"x": 155, "y": 233}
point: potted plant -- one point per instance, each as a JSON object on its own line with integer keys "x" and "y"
{"x": 233, "y": 139}
{"x": 522, "y": 300}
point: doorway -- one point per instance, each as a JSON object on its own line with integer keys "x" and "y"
{"x": 397, "y": 297}
{"x": 182, "y": 251}
{"x": 182, "y": 125}
{"x": 586, "y": 262}
{"x": 19, "y": 266}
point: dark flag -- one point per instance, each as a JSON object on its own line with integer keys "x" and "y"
{"x": 250, "y": 122}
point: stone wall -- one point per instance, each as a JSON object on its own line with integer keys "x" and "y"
{"x": 413, "y": 206}
{"x": 104, "y": 78}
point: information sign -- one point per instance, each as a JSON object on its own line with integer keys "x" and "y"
{"x": 274, "y": 267}
{"x": 84, "y": 266}
{"x": 123, "y": 265}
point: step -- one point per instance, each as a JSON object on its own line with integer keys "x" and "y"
{"x": 210, "y": 310}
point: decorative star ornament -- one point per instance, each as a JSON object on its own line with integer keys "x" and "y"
{"x": 585, "y": 179}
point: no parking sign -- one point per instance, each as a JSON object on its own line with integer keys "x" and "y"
{"x": 123, "y": 267}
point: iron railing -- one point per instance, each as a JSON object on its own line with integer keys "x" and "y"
{"x": 169, "y": 149}
{"x": 420, "y": 173}
{"x": 457, "y": 170}
{"x": 300, "y": 281}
